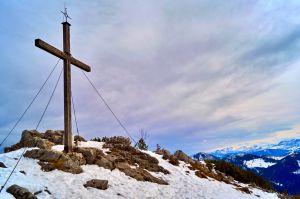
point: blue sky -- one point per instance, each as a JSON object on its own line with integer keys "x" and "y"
{"x": 196, "y": 75}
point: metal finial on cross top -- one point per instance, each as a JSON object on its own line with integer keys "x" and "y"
{"x": 68, "y": 61}
{"x": 65, "y": 13}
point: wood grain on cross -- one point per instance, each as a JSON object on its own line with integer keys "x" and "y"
{"x": 68, "y": 60}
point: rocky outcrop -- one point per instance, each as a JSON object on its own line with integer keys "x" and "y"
{"x": 20, "y": 192}
{"x": 117, "y": 141}
{"x": 90, "y": 154}
{"x": 98, "y": 184}
{"x": 54, "y": 136}
{"x": 180, "y": 155}
{"x": 139, "y": 174}
{"x": 33, "y": 138}
{"x": 50, "y": 160}
{"x": 131, "y": 161}
{"x": 122, "y": 155}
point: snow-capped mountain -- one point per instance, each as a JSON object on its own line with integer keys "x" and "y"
{"x": 278, "y": 163}
{"x": 280, "y": 149}
{"x": 283, "y": 173}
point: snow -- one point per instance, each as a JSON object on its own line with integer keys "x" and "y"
{"x": 92, "y": 144}
{"x": 258, "y": 163}
{"x": 277, "y": 158}
{"x": 297, "y": 171}
{"x": 64, "y": 185}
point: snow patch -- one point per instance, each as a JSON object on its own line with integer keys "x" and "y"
{"x": 298, "y": 171}
{"x": 258, "y": 163}
{"x": 91, "y": 144}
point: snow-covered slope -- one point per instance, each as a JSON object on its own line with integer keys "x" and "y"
{"x": 183, "y": 183}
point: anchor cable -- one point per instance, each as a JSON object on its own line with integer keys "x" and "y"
{"x": 23, "y": 114}
{"x": 49, "y": 100}
{"x": 109, "y": 108}
{"x": 74, "y": 112}
{"x": 25, "y": 148}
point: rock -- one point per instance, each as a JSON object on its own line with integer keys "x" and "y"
{"x": 38, "y": 192}
{"x": 31, "y": 139}
{"x": 20, "y": 192}
{"x": 77, "y": 158}
{"x": 23, "y": 172}
{"x": 45, "y": 155}
{"x": 79, "y": 138}
{"x": 2, "y": 165}
{"x": 98, "y": 184}
{"x": 54, "y": 136}
{"x": 141, "y": 175}
{"x": 89, "y": 154}
{"x": 117, "y": 141}
{"x": 50, "y": 160}
{"x": 46, "y": 190}
{"x": 105, "y": 163}
{"x": 181, "y": 156}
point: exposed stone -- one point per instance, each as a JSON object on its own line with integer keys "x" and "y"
{"x": 89, "y": 153}
{"x": 54, "y": 136}
{"x": 140, "y": 175}
{"x": 50, "y": 160}
{"x": 98, "y": 184}
{"x": 31, "y": 139}
{"x": 117, "y": 141}
{"x": 38, "y": 192}
{"x": 79, "y": 138}
{"x": 20, "y": 192}
{"x": 181, "y": 156}
{"x": 23, "y": 172}
{"x": 2, "y": 165}
{"x": 103, "y": 162}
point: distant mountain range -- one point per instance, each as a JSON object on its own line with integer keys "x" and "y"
{"x": 278, "y": 163}
{"x": 283, "y": 148}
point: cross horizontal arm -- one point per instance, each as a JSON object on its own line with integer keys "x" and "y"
{"x": 50, "y": 49}
{"x": 54, "y": 51}
{"x": 79, "y": 64}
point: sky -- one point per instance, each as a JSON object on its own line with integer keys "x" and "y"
{"x": 196, "y": 75}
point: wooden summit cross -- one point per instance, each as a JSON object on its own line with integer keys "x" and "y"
{"x": 68, "y": 60}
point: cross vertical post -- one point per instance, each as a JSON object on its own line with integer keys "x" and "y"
{"x": 67, "y": 89}
{"x": 68, "y": 60}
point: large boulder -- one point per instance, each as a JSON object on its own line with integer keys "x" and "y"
{"x": 31, "y": 138}
{"x": 89, "y": 153}
{"x": 50, "y": 160}
{"x": 105, "y": 163}
{"x": 20, "y": 192}
{"x": 98, "y": 184}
